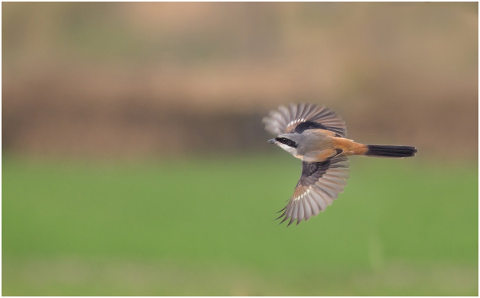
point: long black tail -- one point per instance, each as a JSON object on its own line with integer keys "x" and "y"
{"x": 390, "y": 151}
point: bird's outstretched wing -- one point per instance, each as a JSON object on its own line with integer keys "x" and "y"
{"x": 319, "y": 184}
{"x": 298, "y": 117}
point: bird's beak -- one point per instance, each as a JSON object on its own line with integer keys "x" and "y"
{"x": 271, "y": 141}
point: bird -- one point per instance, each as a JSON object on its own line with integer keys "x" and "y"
{"x": 318, "y": 136}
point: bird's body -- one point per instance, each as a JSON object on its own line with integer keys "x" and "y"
{"x": 317, "y": 136}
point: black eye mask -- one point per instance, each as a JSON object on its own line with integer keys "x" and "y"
{"x": 287, "y": 142}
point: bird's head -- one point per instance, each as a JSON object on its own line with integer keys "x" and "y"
{"x": 288, "y": 142}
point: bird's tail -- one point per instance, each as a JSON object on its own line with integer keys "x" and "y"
{"x": 390, "y": 151}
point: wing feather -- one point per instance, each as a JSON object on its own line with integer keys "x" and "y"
{"x": 307, "y": 209}
{"x": 301, "y": 211}
{"x": 317, "y": 188}
{"x": 314, "y": 207}
{"x": 286, "y": 119}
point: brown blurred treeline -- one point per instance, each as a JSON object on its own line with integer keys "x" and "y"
{"x": 146, "y": 79}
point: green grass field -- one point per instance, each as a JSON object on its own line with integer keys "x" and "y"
{"x": 205, "y": 227}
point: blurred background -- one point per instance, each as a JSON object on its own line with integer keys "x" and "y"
{"x": 135, "y": 161}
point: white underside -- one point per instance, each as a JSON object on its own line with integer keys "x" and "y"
{"x": 289, "y": 149}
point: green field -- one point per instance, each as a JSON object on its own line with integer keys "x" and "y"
{"x": 205, "y": 227}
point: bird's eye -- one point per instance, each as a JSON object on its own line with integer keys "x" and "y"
{"x": 287, "y": 142}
